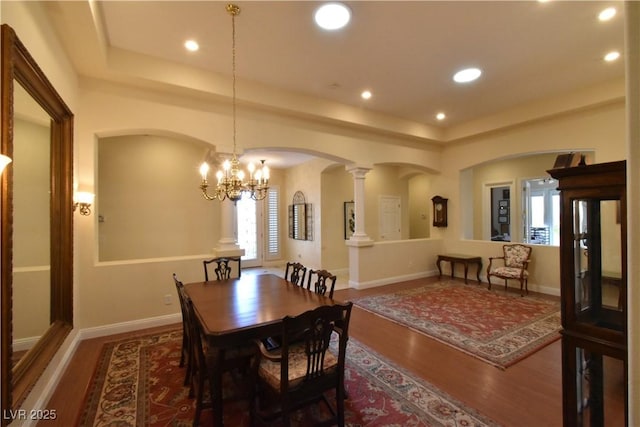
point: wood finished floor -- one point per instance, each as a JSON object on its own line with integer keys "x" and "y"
{"x": 528, "y": 393}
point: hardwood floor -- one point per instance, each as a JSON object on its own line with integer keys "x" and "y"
{"x": 528, "y": 393}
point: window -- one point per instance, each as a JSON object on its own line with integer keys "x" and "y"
{"x": 541, "y": 200}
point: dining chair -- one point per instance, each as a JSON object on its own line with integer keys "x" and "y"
{"x": 295, "y": 273}
{"x": 235, "y": 360}
{"x": 302, "y": 369}
{"x": 319, "y": 284}
{"x": 185, "y": 351}
{"x": 222, "y": 268}
{"x": 514, "y": 264}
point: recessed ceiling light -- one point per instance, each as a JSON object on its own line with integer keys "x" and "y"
{"x": 366, "y": 94}
{"x": 332, "y": 16}
{"x": 441, "y": 116}
{"x": 607, "y": 14}
{"x": 467, "y": 75}
{"x": 612, "y": 56}
{"x": 191, "y": 45}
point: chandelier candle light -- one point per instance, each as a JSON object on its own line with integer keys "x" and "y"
{"x": 231, "y": 179}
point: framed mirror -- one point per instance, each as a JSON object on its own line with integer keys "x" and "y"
{"x": 37, "y": 222}
{"x": 300, "y": 218}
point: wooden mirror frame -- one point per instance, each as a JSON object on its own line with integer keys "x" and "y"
{"x": 19, "y": 66}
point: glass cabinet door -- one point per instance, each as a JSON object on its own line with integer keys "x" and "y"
{"x": 597, "y": 250}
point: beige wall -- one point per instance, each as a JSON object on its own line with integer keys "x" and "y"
{"x": 337, "y": 188}
{"x": 509, "y": 172}
{"x": 420, "y": 206}
{"x": 148, "y": 201}
{"x": 600, "y": 129}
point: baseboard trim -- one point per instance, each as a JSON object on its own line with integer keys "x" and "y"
{"x": 390, "y": 280}
{"x": 133, "y": 325}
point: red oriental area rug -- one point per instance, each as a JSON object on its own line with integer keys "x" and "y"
{"x": 498, "y": 328}
{"x": 138, "y": 383}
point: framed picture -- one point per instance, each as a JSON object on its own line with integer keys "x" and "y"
{"x": 503, "y": 203}
{"x": 503, "y": 219}
{"x": 349, "y": 219}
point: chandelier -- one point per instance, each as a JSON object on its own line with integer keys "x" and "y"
{"x": 231, "y": 178}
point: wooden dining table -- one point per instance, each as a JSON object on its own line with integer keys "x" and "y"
{"x": 236, "y": 311}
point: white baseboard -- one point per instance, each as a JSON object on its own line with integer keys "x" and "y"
{"x": 133, "y": 325}
{"x": 390, "y": 280}
{"x": 24, "y": 344}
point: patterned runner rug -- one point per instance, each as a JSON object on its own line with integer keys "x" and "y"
{"x": 498, "y": 328}
{"x": 138, "y": 383}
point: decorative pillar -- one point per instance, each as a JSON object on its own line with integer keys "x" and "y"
{"x": 359, "y": 241}
{"x": 228, "y": 245}
{"x": 359, "y": 173}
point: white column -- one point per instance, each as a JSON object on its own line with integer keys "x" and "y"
{"x": 632, "y": 72}
{"x": 359, "y": 240}
{"x": 359, "y": 173}
{"x": 228, "y": 245}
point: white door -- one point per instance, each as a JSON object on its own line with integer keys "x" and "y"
{"x": 249, "y": 229}
{"x": 390, "y": 222}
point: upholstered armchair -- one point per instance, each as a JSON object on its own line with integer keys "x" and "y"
{"x": 513, "y": 265}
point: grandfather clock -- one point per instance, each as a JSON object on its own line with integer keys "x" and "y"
{"x": 593, "y": 269}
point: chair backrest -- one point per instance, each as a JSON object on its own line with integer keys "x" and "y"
{"x": 315, "y": 328}
{"x": 195, "y": 336}
{"x": 180, "y": 289}
{"x": 320, "y": 285}
{"x": 295, "y": 273}
{"x": 515, "y": 255}
{"x": 222, "y": 268}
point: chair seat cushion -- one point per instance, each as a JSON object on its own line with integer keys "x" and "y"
{"x": 270, "y": 370}
{"x": 508, "y": 272}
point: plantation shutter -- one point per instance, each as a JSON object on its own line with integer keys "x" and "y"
{"x": 273, "y": 224}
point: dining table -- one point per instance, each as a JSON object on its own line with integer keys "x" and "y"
{"x": 237, "y": 311}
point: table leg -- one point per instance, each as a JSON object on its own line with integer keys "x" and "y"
{"x": 214, "y": 365}
{"x": 452, "y": 268}
{"x": 479, "y": 268}
{"x": 466, "y": 270}
{"x": 439, "y": 268}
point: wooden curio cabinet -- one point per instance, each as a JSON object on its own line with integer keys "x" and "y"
{"x": 593, "y": 251}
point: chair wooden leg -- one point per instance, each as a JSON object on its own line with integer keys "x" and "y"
{"x": 189, "y": 373}
{"x": 341, "y": 394}
{"x": 184, "y": 348}
{"x": 199, "y": 400}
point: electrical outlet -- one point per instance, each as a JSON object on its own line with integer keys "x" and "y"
{"x": 167, "y": 299}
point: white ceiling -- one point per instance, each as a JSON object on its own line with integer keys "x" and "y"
{"x": 404, "y": 52}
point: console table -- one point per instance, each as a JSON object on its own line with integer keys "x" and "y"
{"x": 464, "y": 259}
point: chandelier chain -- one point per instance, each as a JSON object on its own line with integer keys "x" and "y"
{"x": 233, "y": 13}
{"x": 231, "y": 179}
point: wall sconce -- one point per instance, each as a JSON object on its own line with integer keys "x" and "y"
{"x": 4, "y": 161}
{"x": 83, "y": 200}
